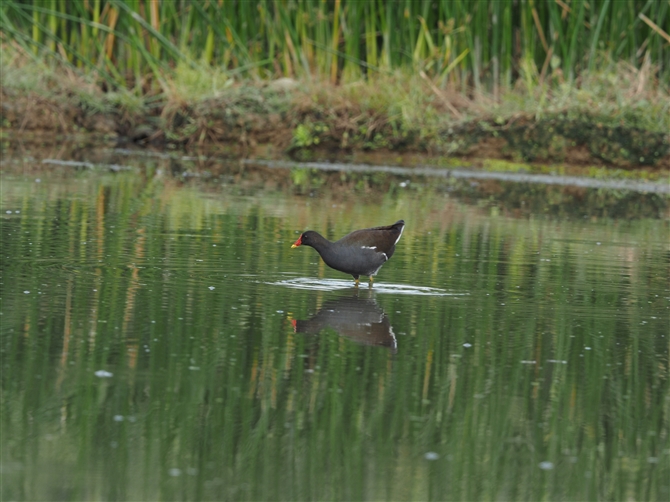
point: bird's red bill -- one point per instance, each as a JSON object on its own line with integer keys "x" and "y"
{"x": 297, "y": 243}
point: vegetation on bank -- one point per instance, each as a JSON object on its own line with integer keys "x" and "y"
{"x": 535, "y": 81}
{"x": 468, "y": 44}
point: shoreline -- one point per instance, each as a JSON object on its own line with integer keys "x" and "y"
{"x": 552, "y": 191}
{"x": 590, "y": 123}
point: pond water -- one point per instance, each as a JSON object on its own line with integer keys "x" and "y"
{"x": 160, "y": 339}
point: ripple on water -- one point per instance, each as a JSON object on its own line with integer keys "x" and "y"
{"x": 378, "y": 287}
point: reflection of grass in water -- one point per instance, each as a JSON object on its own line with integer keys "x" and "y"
{"x": 598, "y": 172}
{"x": 608, "y": 172}
{"x": 505, "y": 166}
{"x": 215, "y": 384}
{"x": 499, "y": 165}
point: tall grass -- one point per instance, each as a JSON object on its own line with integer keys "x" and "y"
{"x": 483, "y": 44}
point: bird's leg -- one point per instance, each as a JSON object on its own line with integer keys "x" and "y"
{"x": 356, "y": 282}
{"x": 371, "y": 280}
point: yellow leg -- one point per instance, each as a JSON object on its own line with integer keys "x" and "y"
{"x": 371, "y": 280}
{"x": 356, "y": 282}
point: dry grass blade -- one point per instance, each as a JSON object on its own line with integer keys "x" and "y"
{"x": 654, "y": 26}
{"x": 439, "y": 94}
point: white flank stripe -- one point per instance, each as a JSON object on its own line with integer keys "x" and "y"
{"x": 401, "y": 230}
{"x": 369, "y": 247}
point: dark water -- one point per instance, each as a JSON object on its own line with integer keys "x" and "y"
{"x": 160, "y": 339}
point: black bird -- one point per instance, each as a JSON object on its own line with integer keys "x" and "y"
{"x": 362, "y": 252}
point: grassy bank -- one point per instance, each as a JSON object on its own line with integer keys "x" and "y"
{"x": 617, "y": 115}
{"x": 578, "y": 82}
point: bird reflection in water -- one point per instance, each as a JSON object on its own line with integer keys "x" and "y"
{"x": 359, "y": 319}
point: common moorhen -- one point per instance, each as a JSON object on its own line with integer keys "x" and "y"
{"x": 362, "y": 252}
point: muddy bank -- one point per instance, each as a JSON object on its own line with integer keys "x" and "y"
{"x": 271, "y": 120}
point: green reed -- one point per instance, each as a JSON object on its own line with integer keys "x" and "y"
{"x": 480, "y": 43}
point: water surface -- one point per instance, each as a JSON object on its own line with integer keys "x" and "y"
{"x": 160, "y": 339}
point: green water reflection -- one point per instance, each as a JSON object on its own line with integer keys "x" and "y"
{"x": 160, "y": 340}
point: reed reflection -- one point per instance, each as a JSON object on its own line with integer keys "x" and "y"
{"x": 354, "y": 317}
